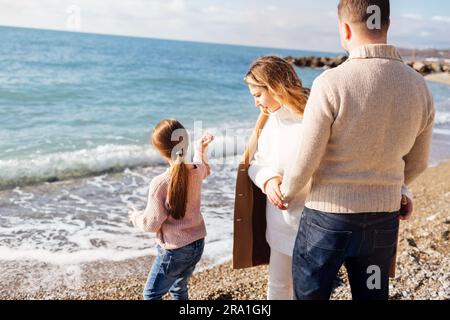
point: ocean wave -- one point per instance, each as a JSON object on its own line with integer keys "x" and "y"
{"x": 442, "y": 118}
{"x": 87, "y": 162}
{"x": 216, "y": 252}
{"x": 66, "y": 165}
{"x": 82, "y": 256}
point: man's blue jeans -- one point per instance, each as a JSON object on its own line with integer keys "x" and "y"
{"x": 365, "y": 242}
{"x": 171, "y": 271}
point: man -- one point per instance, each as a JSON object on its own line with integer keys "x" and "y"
{"x": 366, "y": 131}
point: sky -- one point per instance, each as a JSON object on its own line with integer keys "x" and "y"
{"x": 294, "y": 24}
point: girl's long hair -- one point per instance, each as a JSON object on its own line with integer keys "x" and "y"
{"x": 279, "y": 78}
{"x": 170, "y": 138}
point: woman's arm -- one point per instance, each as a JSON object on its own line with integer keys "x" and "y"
{"x": 260, "y": 171}
{"x": 261, "y": 175}
{"x": 267, "y": 179}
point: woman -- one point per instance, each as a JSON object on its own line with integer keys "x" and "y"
{"x": 279, "y": 93}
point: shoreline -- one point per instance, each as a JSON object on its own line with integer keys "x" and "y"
{"x": 443, "y": 78}
{"x": 422, "y": 271}
{"x": 435, "y": 159}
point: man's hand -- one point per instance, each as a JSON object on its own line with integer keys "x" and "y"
{"x": 406, "y": 209}
{"x": 273, "y": 192}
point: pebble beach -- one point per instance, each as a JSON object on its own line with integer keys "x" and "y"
{"x": 423, "y": 270}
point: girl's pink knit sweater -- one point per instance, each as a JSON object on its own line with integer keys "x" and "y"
{"x": 171, "y": 233}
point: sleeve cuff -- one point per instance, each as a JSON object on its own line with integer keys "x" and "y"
{"x": 406, "y": 192}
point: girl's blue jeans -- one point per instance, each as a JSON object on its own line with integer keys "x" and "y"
{"x": 171, "y": 271}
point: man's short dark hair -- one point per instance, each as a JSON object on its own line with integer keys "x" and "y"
{"x": 355, "y": 11}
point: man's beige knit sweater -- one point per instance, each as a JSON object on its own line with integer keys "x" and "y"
{"x": 367, "y": 130}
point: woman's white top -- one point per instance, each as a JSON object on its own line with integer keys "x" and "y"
{"x": 276, "y": 150}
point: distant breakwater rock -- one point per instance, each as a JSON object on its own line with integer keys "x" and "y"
{"x": 317, "y": 62}
{"x": 423, "y": 67}
{"x": 429, "y": 67}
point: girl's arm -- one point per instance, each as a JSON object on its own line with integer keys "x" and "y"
{"x": 155, "y": 213}
{"x": 201, "y": 152}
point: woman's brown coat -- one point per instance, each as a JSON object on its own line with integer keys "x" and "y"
{"x": 250, "y": 247}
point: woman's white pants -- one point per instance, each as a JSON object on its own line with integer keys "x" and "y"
{"x": 280, "y": 277}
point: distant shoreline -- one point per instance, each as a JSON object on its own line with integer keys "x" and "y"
{"x": 424, "y": 67}
{"x": 424, "y": 54}
{"x": 443, "y": 78}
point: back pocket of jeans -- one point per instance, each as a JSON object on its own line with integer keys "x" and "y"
{"x": 385, "y": 238}
{"x": 326, "y": 246}
{"x": 184, "y": 254}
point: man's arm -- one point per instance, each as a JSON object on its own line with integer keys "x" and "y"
{"x": 416, "y": 161}
{"x": 314, "y": 135}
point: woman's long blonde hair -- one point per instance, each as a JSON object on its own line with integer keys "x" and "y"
{"x": 279, "y": 78}
{"x": 170, "y": 138}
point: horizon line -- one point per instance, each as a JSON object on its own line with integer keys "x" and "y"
{"x": 202, "y": 42}
{"x": 167, "y": 39}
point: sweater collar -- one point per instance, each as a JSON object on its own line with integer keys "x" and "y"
{"x": 284, "y": 113}
{"x": 371, "y": 51}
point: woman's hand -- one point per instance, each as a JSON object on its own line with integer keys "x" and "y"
{"x": 272, "y": 189}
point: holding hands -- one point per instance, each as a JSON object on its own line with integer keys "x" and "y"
{"x": 273, "y": 192}
{"x": 272, "y": 189}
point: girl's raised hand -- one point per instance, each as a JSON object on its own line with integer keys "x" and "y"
{"x": 205, "y": 140}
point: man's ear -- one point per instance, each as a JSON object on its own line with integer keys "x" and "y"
{"x": 347, "y": 31}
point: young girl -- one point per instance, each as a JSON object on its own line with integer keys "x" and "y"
{"x": 173, "y": 212}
